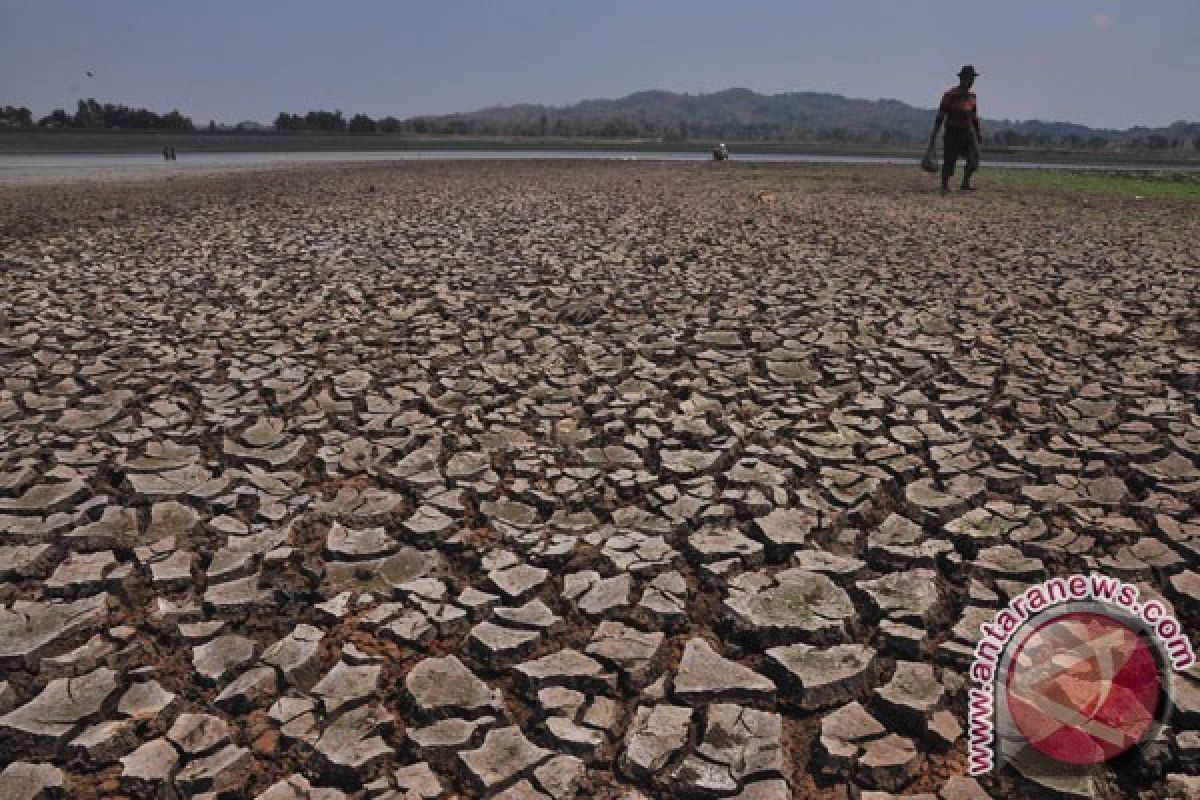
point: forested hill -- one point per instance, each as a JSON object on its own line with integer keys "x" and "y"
{"x": 742, "y": 114}
{"x": 736, "y": 115}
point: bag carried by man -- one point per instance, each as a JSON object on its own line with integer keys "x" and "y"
{"x": 929, "y": 160}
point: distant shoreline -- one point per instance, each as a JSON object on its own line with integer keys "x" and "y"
{"x": 63, "y": 169}
{"x": 61, "y": 142}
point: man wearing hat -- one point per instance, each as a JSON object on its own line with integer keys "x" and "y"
{"x": 963, "y": 136}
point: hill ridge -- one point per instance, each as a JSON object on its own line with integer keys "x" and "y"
{"x": 740, "y": 112}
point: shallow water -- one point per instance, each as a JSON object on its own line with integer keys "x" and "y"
{"x": 87, "y": 161}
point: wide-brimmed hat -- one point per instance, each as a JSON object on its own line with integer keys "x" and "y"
{"x": 968, "y": 70}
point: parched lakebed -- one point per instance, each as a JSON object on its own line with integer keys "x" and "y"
{"x": 534, "y": 480}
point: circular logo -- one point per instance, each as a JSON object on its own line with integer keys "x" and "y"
{"x": 1083, "y": 687}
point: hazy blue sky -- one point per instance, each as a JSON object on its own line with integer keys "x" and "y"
{"x": 1116, "y": 63}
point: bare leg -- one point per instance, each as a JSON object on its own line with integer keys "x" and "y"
{"x": 968, "y": 171}
{"x": 971, "y": 165}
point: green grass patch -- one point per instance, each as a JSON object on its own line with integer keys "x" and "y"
{"x": 1149, "y": 183}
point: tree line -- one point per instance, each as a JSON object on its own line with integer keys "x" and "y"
{"x": 90, "y": 114}
{"x": 625, "y": 126}
{"x": 533, "y": 122}
{"x": 333, "y": 121}
{"x": 1154, "y": 141}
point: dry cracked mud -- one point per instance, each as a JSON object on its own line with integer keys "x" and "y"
{"x": 531, "y": 480}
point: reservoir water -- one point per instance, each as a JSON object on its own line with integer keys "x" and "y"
{"x": 115, "y": 161}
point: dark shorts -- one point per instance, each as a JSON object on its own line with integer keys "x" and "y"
{"x": 959, "y": 143}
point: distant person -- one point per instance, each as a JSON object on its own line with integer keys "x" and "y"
{"x": 172, "y": 152}
{"x": 166, "y": 153}
{"x": 720, "y": 152}
{"x": 960, "y": 111}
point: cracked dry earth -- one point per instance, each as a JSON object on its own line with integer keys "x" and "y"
{"x": 546, "y": 481}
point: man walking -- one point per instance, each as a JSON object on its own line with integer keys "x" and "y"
{"x": 960, "y": 112}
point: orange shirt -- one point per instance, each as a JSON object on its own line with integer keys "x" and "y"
{"x": 960, "y": 109}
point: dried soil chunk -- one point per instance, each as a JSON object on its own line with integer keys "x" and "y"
{"x": 241, "y": 594}
{"x": 254, "y": 688}
{"x": 222, "y": 657}
{"x": 21, "y": 780}
{"x": 352, "y": 742}
{"x": 518, "y": 581}
{"x": 900, "y": 542}
{"x": 912, "y": 694}
{"x": 786, "y": 529}
{"x": 148, "y": 702}
{"x": 444, "y": 686}
{"x": 504, "y": 754}
{"x": 104, "y": 742}
{"x": 561, "y": 777}
{"x": 496, "y": 644}
{"x": 654, "y": 737}
{"x": 347, "y": 685}
{"x": 146, "y": 770}
{"x": 48, "y": 721}
{"x": 705, "y": 676}
{"x": 198, "y": 734}
{"x": 707, "y": 547}
{"x": 606, "y": 594}
{"x": 739, "y": 744}
{"x": 444, "y": 738}
{"x": 911, "y": 596}
{"x": 816, "y": 677}
{"x": 688, "y": 463}
{"x": 226, "y": 770}
{"x": 889, "y": 763}
{"x": 843, "y": 732}
{"x": 632, "y": 652}
{"x": 353, "y": 544}
{"x": 297, "y": 656}
{"x": 27, "y": 629}
{"x": 566, "y": 667}
{"x": 802, "y": 605}
{"x": 418, "y": 782}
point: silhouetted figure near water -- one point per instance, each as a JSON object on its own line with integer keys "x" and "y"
{"x": 960, "y": 111}
{"x": 720, "y": 152}
{"x": 172, "y": 152}
{"x": 166, "y": 153}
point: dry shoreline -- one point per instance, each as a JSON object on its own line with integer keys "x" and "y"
{"x": 41, "y": 176}
{"x": 586, "y": 439}
{"x": 153, "y": 170}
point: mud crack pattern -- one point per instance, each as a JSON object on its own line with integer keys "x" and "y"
{"x": 533, "y": 480}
